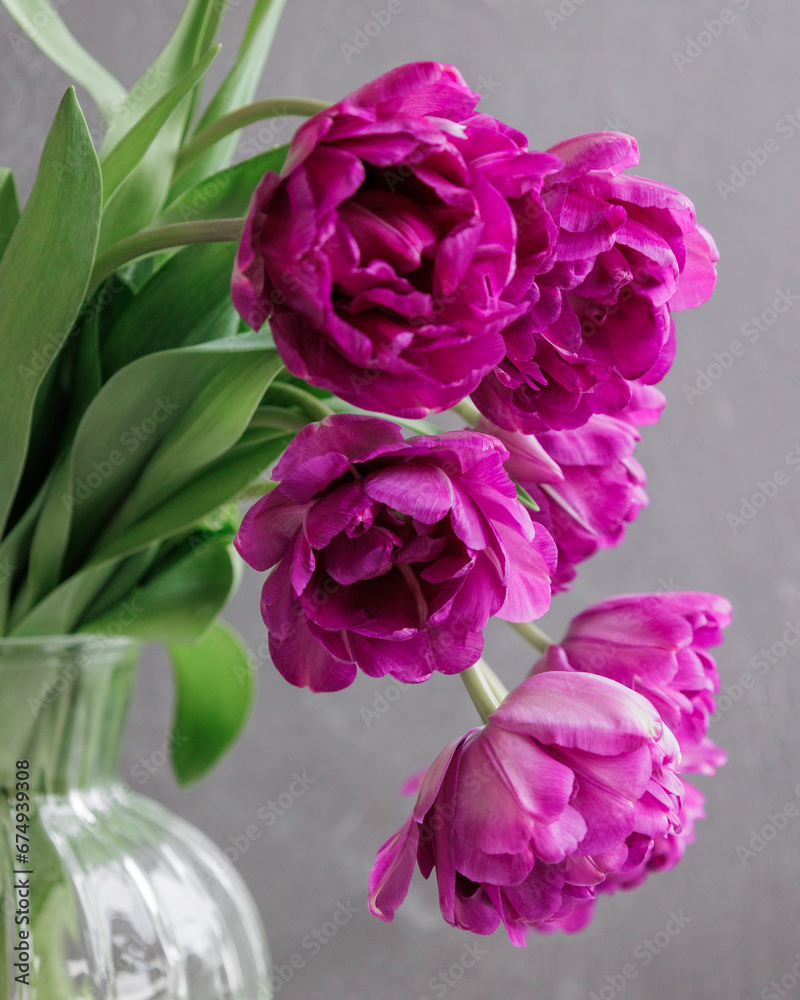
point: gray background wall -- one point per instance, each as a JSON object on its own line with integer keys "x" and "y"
{"x": 603, "y": 65}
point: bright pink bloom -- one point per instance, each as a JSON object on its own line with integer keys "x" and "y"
{"x": 391, "y": 554}
{"x": 586, "y": 482}
{"x": 656, "y": 644}
{"x": 664, "y": 854}
{"x": 401, "y": 237}
{"x": 629, "y": 253}
{"x": 572, "y": 778}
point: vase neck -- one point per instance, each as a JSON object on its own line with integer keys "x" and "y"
{"x": 63, "y": 706}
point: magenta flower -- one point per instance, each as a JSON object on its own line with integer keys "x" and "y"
{"x": 400, "y": 239}
{"x": 572, "y": 778}
{"x": 391, "y": 554}
{"x": 664, "y": 854}
{"x": 656, "y": 644}
{"x": 586, "y": 482}
{"x": 628, "y": 254}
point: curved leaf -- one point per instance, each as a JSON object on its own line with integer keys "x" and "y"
{"x": 175, "y": 303}
{"x": 237, "y": 89}
{"x": 178, "y": 604}
{"x": 215, "y": 485}
{"x": 215, "y": 684}
{"x": 43, "y": 277}
{"x": 40, "y": 22}
{"x": 226, "y": 194}
{"x": 62, "y": 610}
{"x": 129, "y": 151}
{"x": 9, "y": 207}
{"x": 150, "y": 430}
{"x": 137, "y": 201}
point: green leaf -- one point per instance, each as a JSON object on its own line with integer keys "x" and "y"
{"x": 525, "y": 498}
{"x": 226, "y": 194}
{"x": 130, "y": 150}
{"x": 128, "y": 574}
{"x": 141, "y": 196}
{"x": 9, "y": 207}
{"x": 188, "y": 43}
{"x": 62, "y": 609}
{"x": 49, "y": 542}
{"x": 178, "y": 604}
{"x": 218, "y": 400}
{"x": 217, "y": 484}
{"x": 153, "y": 428}
{"x": 237, "y": 89}
{"x": 146, "y": 435}
{"x": 13, "y": 553}
{"x": 175, "y": 303}
{"x": 43, "y": 277}
{"x": 40, "y": 22}
{"x": 215, "y": 684}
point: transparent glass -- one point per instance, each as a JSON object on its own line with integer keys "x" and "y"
{"x": 104, "y": 894}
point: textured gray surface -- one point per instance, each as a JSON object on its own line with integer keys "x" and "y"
{"x": 603, "y": 65}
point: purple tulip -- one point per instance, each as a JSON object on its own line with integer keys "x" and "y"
{"x": 656, "y": 644}
{"x": 586, "y": 482}
{"x": 400, "y": 239}
{"x": 391, "y": 554}
{"x": 628, "y": 254}
{"x": 666, "y": 852}
{"x": 572, "y": 778}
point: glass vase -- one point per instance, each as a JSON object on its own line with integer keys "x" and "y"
{"x": 104, "y": 894}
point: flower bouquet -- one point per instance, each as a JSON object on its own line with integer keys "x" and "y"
{"x": 285, "y": 329}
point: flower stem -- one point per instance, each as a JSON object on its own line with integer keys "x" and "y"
{"x": 499, "y": 689}
{"x": 468, "y": 410}
{"x": 316, "y": 408}
{"x": 480, "y": 689}
{"x": 540, "y": 640}
{"x": 276, "y": 416}
{"x": 275, "y": 107}
{"x": 150, "y": 241}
